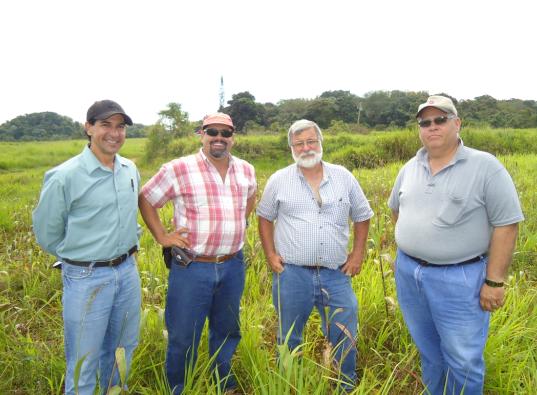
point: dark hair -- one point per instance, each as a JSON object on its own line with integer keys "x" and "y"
{"x": 91, "y": 122}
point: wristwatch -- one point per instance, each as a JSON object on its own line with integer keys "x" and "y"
{"x": 493, "y": 284}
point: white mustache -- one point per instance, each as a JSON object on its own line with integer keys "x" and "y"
{"x": 307, "y": 153}
{"x": 308, "y": 159}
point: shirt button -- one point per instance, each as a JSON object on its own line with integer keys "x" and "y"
{"x": 320, "y": 227}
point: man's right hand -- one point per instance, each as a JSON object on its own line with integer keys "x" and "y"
{"x": 178, "y": 238}
{"x": 276, "y": 263}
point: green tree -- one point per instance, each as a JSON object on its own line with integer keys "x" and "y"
{"x": 291, "y": 110}
{"x": 175, "y": 120}
{"x": 376, "y": 109}
{"x": 322, "y": 110}
{"x": 346, "y": 105}
{"x": 40, "y": 126}
{"x": 391, "y": 108}
{"x": 136, "y": 130}
{"x": 158, "y": 142}
{"x": 243, "y": 108}
{"x": 271, "y": 113}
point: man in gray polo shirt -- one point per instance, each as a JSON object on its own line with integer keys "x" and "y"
{"x": 457, "y": 214}
{"x": 304, "y": 226}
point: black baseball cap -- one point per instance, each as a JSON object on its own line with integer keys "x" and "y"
{"x": 104, "y": 109}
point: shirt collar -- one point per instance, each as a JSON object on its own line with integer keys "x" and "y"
{"x": 204, "y": 157}
{"x": 326, "y": 171}
{"x": 91, "y": 162}
{"x": 462, "y": 153}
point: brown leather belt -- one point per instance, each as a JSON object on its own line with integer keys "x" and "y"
{"x": 211, "y": 259}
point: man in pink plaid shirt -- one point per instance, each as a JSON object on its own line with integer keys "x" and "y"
{"x": 213, "y": 193}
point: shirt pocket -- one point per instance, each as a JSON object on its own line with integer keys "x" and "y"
{"x": 196, "y": 200}
{"x": 127, "y": 194}
{"x": 202, "y": 207}
{"x": 240, "y": 194}
{"x": 451, "y": 211}
{"x": 338, "y": 211}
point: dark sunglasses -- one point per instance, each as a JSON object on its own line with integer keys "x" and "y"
{"x": 425, "y": 123}
{"x": 224, "y": 133}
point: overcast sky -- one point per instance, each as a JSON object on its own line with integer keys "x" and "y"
{"x": 61, "y": 56}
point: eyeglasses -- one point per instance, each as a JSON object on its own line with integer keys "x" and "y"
{"x": 425, "y": 123}
{"x": 302, "y": 144}
{"x": 224, "y": 133}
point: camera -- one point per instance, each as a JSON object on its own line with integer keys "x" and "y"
{"x": 180, "y": 255}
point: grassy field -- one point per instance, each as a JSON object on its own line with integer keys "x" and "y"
{"x": 31, "y": 348}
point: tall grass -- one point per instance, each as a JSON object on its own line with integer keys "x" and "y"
{"x": 31, "y": 343}
{"x": 358, "y": 151}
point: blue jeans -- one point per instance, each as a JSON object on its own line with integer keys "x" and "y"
{"x": 295, "y": 292}
{"x": 101, "y": 312}
{"x": 195, "y": 293}
{"x": 440, "y": 306}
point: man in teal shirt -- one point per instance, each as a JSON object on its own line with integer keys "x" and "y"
{"x": 87, "y": 218}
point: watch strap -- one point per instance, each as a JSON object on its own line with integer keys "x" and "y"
{"x": 493, "y": 284}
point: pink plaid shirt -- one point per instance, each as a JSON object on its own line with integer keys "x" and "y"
{"x": 213, "y": 210}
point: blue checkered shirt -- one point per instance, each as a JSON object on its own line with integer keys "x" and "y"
{"x": 305, "y": 233}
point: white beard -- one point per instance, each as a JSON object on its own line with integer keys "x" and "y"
{"x": 309, "y": 158}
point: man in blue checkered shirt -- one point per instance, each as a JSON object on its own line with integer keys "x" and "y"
{"x": 304, "y": 226}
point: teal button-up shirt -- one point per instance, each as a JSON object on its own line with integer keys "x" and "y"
{"x": 87, "y": 211}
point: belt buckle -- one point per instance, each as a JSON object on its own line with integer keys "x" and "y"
{"x": 118, "y": 260}
{"x": 423, "y": 262}
{"x": 217, "y": 259}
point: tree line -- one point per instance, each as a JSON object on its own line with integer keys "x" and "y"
{"x": 378, "y": 110}
{"x": 50, "y": 126}
{"x": 39, "y": 126}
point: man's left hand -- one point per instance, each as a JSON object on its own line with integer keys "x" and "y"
{"x": 352, "y": 266}
{"x": 491, "y": 299}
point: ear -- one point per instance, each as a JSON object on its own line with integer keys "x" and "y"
{"x": 458, "y": 122}
{"x": 87, "y": 128}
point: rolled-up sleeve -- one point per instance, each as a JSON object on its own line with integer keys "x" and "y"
{"x": 249, "y": 171}
{"x": 268, "y": 205}
{"x": 162, "y": 187}
{"x": 360, "y": 208}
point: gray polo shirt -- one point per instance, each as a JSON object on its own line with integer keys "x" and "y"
{"x": 449, "y": 217}
{"x": 305, "y": 233}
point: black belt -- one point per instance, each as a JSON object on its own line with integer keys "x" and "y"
{"x": 313, "y": 267}
{"x": 111, "y": 262}
{"x": 425, "y": 263}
